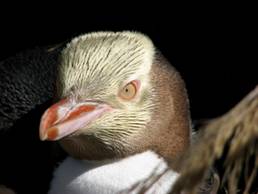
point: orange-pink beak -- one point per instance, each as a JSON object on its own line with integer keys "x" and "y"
{"x": 66, "y": 117}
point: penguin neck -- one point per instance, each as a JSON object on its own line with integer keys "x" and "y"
{"x": 170, "y": 127}
{"x": 117, "y": 175}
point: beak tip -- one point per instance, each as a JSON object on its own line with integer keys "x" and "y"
{"x": 50, "y": 134}
{"x": 42, "y": 137}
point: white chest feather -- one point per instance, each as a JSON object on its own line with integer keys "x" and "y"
{"x": 109, "y": 177}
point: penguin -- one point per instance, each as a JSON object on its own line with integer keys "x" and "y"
{"x": 121, "y": 112}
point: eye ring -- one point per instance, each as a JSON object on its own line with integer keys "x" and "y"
{"x": 129, "y": 91}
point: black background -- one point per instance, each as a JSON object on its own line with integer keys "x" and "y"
{"x": 213, "y": 46}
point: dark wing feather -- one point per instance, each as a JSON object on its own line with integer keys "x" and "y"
{"x": 26, "y": 90}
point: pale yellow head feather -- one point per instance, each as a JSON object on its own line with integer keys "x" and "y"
{"x": 107, "y": 58}
{"x": 96, "y": 66}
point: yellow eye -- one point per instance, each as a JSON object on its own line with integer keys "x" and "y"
{"x": 129, "y": 91}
